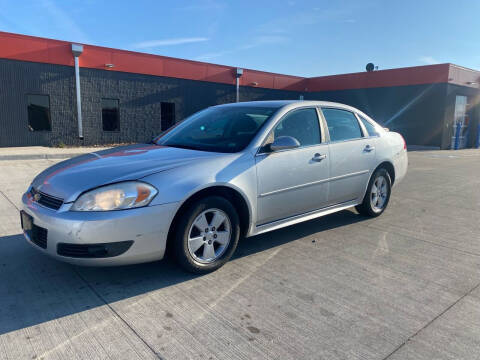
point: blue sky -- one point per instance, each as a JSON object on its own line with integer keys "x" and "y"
{"x": 306, "y": 38}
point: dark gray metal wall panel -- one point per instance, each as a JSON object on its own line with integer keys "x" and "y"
{"x": 422, "y": 113}
{"x": 140, "y": 98}
{"x": 417, "y": 112}
{"x": 18, "y": 79}
{"x": 140, "y": 101}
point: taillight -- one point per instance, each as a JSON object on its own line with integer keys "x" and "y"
{"x": 404, "y": 143}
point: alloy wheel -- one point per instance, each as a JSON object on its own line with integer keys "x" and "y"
{"x": 379, "y": 193}
{"x": 209, "y": 236}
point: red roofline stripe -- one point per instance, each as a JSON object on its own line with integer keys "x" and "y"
{"x": 428, "y": 74}
{"x": 36, "y": 49}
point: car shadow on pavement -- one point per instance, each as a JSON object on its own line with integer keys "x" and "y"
{"x": 36, "y": 289}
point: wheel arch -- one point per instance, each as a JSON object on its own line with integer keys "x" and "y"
{"x": 235, "y": 196}
{"x": 387, "y": 165}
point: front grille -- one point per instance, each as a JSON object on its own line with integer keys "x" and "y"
{"x": 103, "y": 250}
{"x": 46, "y": 200}
{"x": 38, "y": 235}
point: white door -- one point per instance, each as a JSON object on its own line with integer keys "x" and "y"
{"x": 295, "y": 181}
{"x": 352, "y": 156}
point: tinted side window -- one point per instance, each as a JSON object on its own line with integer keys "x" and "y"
{"x": 342, "y": 124}
{"x": 369, "y": 126}
{"x": 302, "y": 125}
{"x": 39, "y": 113}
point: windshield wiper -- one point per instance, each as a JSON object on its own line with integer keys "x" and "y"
{"x": 181, "y": 146}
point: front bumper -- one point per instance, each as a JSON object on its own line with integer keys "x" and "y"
{"x": 147, "y": 227}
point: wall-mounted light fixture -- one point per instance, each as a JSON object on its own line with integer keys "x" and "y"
{"x": 472, "y": 83}
{"x": 254, "y": 83}
{"x": 109, "y": 66}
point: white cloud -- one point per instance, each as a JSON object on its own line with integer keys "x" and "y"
{"x": 305, "y": 18}
{"x": 212, "y": 55}
{"x": 429, "y": 60}
{"x": 256, "y": 42}
{"x": 65, "y": 22}
{"x": 168, "y": 42}
{"x": 264, "y": 40}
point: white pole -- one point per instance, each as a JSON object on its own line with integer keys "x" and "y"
{"x": 238, "y": 89}
{"x": 77, "y": 50}
{"x": 238, "y": 74}
{"x": 79, "y": 99}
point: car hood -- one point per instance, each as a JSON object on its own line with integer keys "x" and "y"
{"x": 68, "y": 179}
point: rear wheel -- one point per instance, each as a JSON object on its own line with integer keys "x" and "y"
{"x": 207, "y": 235}
{"x": 377, "y": 196}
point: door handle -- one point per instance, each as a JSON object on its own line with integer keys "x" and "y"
{"x": 319, "y": 157}
{"x": 369, "y": 148}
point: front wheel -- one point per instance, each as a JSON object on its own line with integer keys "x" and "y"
{"x": 377, "y": 196}
{"x": 207, "y": 235}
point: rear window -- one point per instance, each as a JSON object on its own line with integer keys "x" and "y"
{"x": 342, "y": 125}
{"x": 369, "y": 126}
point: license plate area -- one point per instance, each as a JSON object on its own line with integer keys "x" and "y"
{"x": 36, "y": 234}
{"x": 26, "y": 221}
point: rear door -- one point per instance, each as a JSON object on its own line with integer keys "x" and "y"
{"x": 352, "y": 155}
{"x": 294, "y": 181}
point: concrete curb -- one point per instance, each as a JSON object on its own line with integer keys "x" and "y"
{"x": 39, "y": 156}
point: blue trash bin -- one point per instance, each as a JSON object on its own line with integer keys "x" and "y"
{"x": 477, "y": 143}
{"x": 457, "y": 136}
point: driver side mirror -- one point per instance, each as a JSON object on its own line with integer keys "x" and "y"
{"x": 284, "y": 143}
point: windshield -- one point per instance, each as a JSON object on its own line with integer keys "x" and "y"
{"x": 218, "y": 129}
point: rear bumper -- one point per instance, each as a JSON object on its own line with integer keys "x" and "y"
{"x": 400, "y": 162}
{"x": 147, "y": 227}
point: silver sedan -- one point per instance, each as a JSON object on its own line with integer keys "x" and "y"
{"x": 226, "y": 172}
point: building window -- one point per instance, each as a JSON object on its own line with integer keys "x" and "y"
{"x": 39, "y": 113}
{"x": 168, "y": 115}
{"x": 110, "y": 115}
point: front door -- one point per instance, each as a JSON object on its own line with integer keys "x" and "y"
{"x": 352, "y": 156}
{"x": 295, "y": 181}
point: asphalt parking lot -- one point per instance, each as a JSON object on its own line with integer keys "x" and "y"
{"x": 402, "y": 286}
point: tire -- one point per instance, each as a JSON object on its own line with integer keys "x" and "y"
{"x": 193, "y": 244}
{"x": 374, "y": 205}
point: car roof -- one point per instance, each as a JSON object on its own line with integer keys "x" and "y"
{"x": 290, "y": 104}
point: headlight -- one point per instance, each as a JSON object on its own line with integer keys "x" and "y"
{"x": 124, "y": 195}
